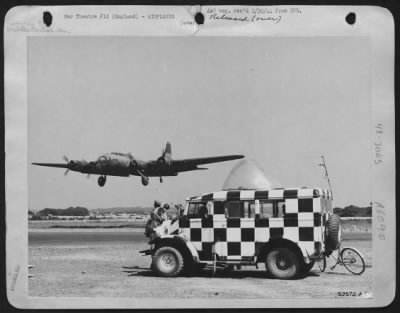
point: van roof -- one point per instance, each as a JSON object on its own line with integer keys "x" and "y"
{"x": 272, "y": 194}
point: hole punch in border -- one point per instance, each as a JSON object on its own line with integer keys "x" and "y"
{"x": 351, "y": 18}
{"x": 47, "y": 18}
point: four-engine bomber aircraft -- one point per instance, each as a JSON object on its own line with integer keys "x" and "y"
{"x": 124, "y": 164}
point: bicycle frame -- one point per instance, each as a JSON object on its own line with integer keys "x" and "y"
{"x": 338, "y": 259}
{"x": 346, "y": 262}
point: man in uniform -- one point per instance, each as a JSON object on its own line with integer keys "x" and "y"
{"x": 157, "y": 214}
{"x": 153, "y": 221}
{"x": 157, "y": 217}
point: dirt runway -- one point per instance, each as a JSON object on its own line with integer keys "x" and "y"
{"x": 116, "y": 269}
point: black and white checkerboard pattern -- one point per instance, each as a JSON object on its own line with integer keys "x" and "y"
{"x": 237, "y": 238}
{"x": 274, "y": 194}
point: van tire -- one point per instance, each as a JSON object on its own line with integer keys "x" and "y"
{"x": 168, "y": 262}
{"x": 282, "y": 263}
{"x": 333, "y": 233}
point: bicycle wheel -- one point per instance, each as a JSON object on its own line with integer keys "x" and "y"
{"x": 322, "y": 263}
{"x": 353, "y": 261}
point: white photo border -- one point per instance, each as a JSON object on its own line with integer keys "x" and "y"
{"x": 376, "y": 23}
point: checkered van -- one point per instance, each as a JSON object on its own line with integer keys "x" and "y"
{"x": 283, "y": 228}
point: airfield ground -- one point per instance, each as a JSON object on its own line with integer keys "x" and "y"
{"x": 107, "y": 263}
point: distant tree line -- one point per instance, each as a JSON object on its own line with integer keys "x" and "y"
{"x": 121, "y": 210}
{"x": 353, "y": 211}
{"x": 71, "y": 211}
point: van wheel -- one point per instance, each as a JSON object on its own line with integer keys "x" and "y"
{"x": 282, "y": 263}
{"x": 168, "y": 262}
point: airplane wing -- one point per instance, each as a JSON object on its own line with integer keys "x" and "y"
{"x": 61, "y": 165}
{"x": 77, "y": 166}
{"x": 191, "y": 164}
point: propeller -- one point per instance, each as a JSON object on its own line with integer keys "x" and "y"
{"x": 67, "y": 161}
{"x": 73, "y": 164}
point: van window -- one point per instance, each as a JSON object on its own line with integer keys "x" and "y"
{"x": 281, "y": 209}
{"x": 270, "y": 209}
{"x": 197, "y": 210}
{"x": 219, "y": 207}
{"x": 234, "y": 209}
{"x": 329, "y": 206}
{"x": 249, "y": 209}
{"x": 266, "y": 209}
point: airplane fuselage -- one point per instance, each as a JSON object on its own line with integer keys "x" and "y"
{"x": 124, "y": 164}
{"x": 114, "y": 164}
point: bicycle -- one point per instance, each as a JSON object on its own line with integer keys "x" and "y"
{"x": 350, "y": 258}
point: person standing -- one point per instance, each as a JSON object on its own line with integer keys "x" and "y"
{"x": 157, "y": 217}
{"x": 157, "y": 214}
{"x": 154, "y": 220}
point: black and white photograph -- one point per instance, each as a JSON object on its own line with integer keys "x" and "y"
{"x": 224, "y": 166}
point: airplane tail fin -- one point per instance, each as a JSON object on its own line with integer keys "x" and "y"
{"x": 168, "y": 149}
{"x": 166, "y": 155}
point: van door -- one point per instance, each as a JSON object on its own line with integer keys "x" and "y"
{"x": 240, "y": 231}
{"x": 197, "y": 227}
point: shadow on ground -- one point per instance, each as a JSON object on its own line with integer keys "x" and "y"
{"x": 206, "y": 273}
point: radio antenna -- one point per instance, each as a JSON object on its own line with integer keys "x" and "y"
{"x": 323, "y": 164}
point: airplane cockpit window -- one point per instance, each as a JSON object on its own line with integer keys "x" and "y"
{"x": 102, "y": 159}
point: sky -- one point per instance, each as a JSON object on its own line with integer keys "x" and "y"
{"x": 281, "y": 102}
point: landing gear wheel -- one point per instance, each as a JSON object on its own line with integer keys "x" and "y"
{"x": 145, "y": 180}
{"x": 322, "y": 263}
{"x": 161, "y": 180}
{"x": 102, "y": 181}
{"x": 168, "y": 262}
{"x": 282, "y": 263}
{"x": 353, "y": 261}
